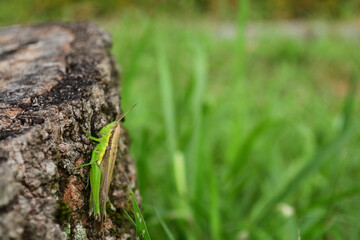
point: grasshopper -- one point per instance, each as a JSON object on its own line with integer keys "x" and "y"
{"x": 102, "y": 165}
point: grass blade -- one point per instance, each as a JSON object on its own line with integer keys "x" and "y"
{"x": 130, "y": 219}
{"x": 200, "y": 79}
{"x": 167, "y": 97}
{"x": 164, "y": 226}
{"x": 141, "y": 229}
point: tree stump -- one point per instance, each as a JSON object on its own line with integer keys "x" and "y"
{"x": 56, "y": 79}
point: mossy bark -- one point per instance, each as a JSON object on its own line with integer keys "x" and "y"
{"x": 56, "y": 79}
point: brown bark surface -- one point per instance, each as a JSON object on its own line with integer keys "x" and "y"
{"x": 55, "y": 79}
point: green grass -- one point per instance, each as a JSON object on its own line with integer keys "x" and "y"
{"x": 139, "y": 224}
{"x": 229, "y": 131}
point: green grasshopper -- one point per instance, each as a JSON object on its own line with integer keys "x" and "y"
{"x": 102, "y": 165}
{"x": 139, "y": 224}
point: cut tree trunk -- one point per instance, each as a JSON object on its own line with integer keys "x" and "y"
{"x": 56, "y": 79}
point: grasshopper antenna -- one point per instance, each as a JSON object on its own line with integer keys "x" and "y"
{"x": 119, "y": 117}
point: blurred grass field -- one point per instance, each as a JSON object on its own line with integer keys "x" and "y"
{"x": 238, "y": 138}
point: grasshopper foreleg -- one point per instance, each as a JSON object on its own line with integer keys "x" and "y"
{"x": 89, "y": 135}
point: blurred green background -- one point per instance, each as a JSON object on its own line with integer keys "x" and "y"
{"x": 247, "y": 124}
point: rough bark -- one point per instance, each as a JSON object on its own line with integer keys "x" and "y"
{"x": 55, "y": 79}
